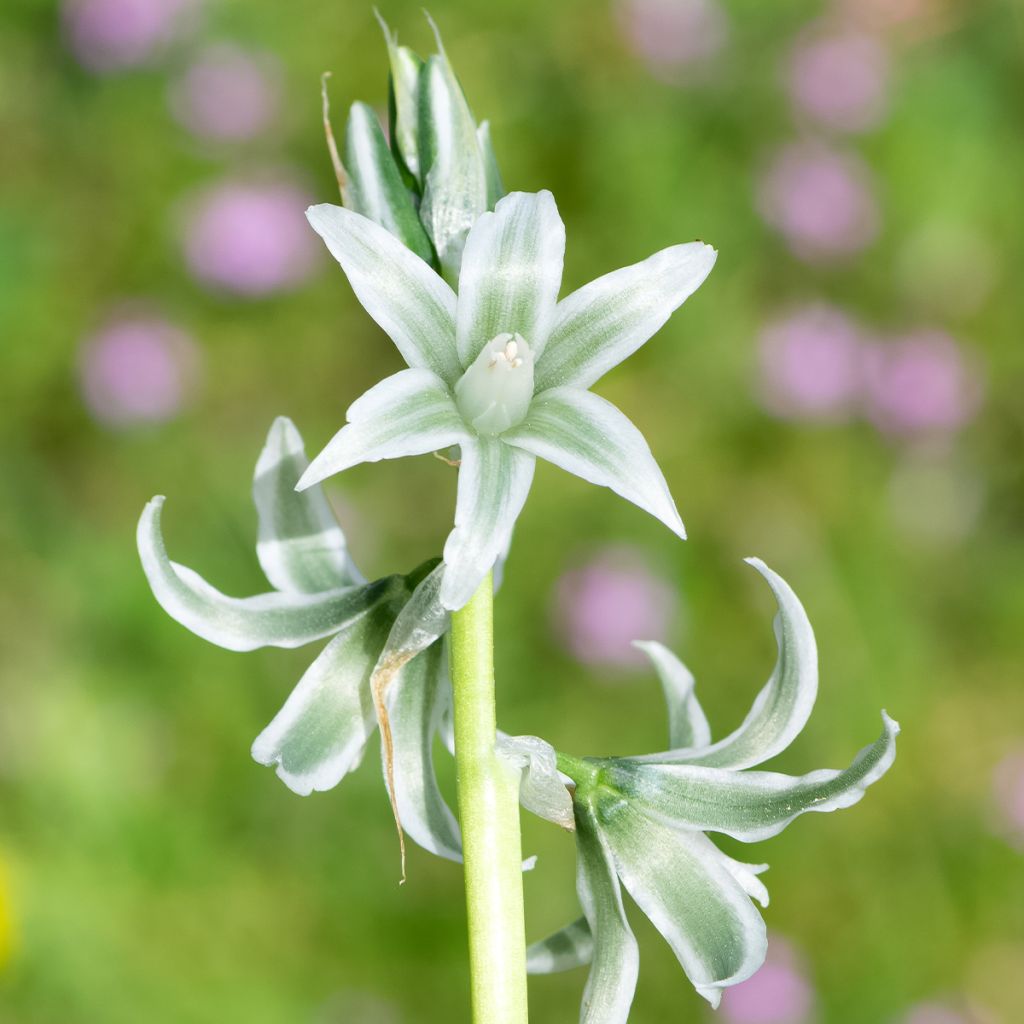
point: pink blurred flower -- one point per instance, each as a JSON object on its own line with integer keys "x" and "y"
{"x": 810, "y": 364}
{"x": 920, "y": 383}
{"x": 909, "y": 19}
{"x": 934, "y": 1013}
{"x": 227, "y": 94}
{"x": 839, "y": 78}
{"x": 673, "y": 35}
{"x": 820, "y": 200}
{"x": 110, "y": 35}
{"x": 251, "y": 239}
{"x": 1008, "y": 795}
{"x": 779, "y": 993}
{"x": 603, "y": 606}
{"x": 138, "y": 368}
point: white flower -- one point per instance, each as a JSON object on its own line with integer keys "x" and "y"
{"x": 503, "y": 369}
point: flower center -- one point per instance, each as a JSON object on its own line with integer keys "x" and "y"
{"x": 494, "y": 393}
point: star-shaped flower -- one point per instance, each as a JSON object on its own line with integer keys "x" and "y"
{"x": 372, "y": 667}
{"x": 503, "y": 369}
{"x": 640, "y": 823}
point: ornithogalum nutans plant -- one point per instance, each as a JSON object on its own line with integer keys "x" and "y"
{"x": 466, "y": 281}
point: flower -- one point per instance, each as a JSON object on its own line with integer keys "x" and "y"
{"x": 602, "y": 605}
{"x": 226, "y": 94}
{"x": 1008, "y": 796}
{"x": 248, "y": 238}
{"x": 810, "y": 364}
{"x": 778, "y": 993}
{"x": 934, "y": 1013}
{"x": 820, "y": 200}
{"x": 503, "y": 370}
{"x": 674, "y": 36}
{"x": 641, "y": 823}
{"x": 138, "y": 368}
{"x": 370, "y": 667}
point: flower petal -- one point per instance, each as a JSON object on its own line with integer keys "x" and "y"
{"x": 403, "y": 100}
{"x": 408, "y": 413}
{"x": 749, "y": 806}
{"x": 320, "y": 733}
{"x": 246, "y": 623}
{"x": 494, "y": 480}
{"x": 782, "y": 707}
{"x": 417, "y": 698}
{"x": 606, "y": 321}
{"x": 375, "y": 188}
{"x": 541, "y": 789}
{"x": 690, "y": 893}
{"x": 495, "y": 185}
{"x": 569, "y": 947}
{"x": 590, "y": 438}
{"x": 300, "y": 545}
{"x": 687, "y": 724}
{"x": 511, "y": 273}
{"x": 616, "y": 959}
{"x": 410, "y": 302}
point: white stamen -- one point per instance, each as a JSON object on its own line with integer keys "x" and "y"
{"x": 495, "y": 392}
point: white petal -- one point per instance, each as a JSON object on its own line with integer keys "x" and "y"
{"x": 405, "y": 76}
{"x": 409, "y": 413}
{"x": 687, "y": 723}
{"x": 414, "y": 307}
{"x": 607, "y": 320}
{"x": 511, "y": 273}
{"x": 569, "y": 947}
{"x": 300, "y": 545}
{"x": 246, "y": 623}
{"x": 541, "y": 789}
{"x": 494, "y": 480}
{"x": 590, "y": 438}
{"x": 495, "y": 186}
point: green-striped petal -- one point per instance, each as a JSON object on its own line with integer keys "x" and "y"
{"x": 245, "y": 623}
{"x": 494, "y": 480}
{"x": 782, "y": 707}
{"x": 511, "y": 273}
{"x": 403, "y": 100}
{"x": 569, "y": 947}
{"x": 604, "y": 322}
{"x": 749, "y": 806}
{"x": 300, "y": 545}
{"x": 587, "y": 436}
{"x": 541, "y": 789}
{"x": 687, "y": 723}
{"x": 495, "y": 184}
{"x": 319, "y": 735}
{"x": 690, "y": 893}
{"x": 410, "y": 302}
{"x": 409, "y": 413}
{"x": 375, "y": 188}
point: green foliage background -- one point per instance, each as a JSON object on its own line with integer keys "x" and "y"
{"x": 152, "y": 871}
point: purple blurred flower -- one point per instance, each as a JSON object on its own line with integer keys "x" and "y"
{"x": 779, "y": 993}
{"x": 673, "y": 35}
{"x": 839, "y": 78}
{"x": 227, "y": 94}
{"x": 251, "y": 239}
{"x": 820, "y": 200}
{"x": 920, "y": 384}
{"x": 603, "y": 606}
{"x": 934, "y": 1013}
{"x": 138, "y": 368}
{"x": 110, "y": 35}
{"x": 1008, "y": 795}
{"x": 810, "y": 364}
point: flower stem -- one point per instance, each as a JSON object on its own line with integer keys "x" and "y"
{"x": 489, "y": 816}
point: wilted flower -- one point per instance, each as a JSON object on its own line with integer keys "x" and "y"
{"x": 674, "y": 36}
{"x": 838, "y": 78}
{"x": 1008, "y": 795}
{"x": 810, "y": 364}
{"x": 921, "y": 383}
{"x": 226, "y": 94}
{"x": 778, "y": 993}
{"x": 138, "y": 368}
{"x": 820, "y": 200}
{"x": 378, "y": 630}
{"x": 110, "y": 35}
{"x": 602, "y": 605}
{"x": 249, "y": 238}
{"x": 641, "y": 822}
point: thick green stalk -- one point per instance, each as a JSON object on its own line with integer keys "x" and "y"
{"x": 489, "y": 816}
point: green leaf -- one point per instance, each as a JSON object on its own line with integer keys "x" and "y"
{"x": 300, "y": 545}
{"x": 375, "y": 188}
{"x": 687, "y": 724}
{"x": 246, "y": 623}
{"x": 495, "y": 185}
{"x": 569, "y": 947}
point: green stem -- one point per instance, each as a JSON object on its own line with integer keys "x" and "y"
{"x": 489, "y": 816}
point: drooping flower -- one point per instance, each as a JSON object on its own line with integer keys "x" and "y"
{"x": 641, "y": 824}
{"x": 373, "y": 660}
{"x": 503, "y": 370}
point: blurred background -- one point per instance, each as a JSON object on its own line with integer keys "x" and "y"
{"x": 841, "y": 398}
